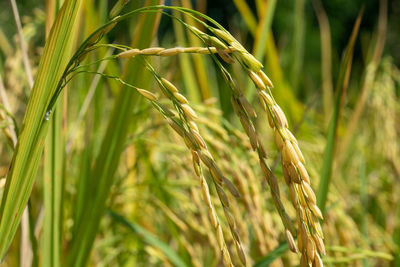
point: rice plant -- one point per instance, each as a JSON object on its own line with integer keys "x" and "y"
{"x": 152, "y": 135}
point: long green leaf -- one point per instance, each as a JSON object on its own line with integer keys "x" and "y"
{"x": 53, "y": 171}
{"x": 341, "y": 87}
{"x": 27, "y": 154}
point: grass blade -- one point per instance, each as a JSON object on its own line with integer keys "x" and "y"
{"x": 326, "y": 58}
{"x": 341, "y": 87}
{"x": 21, "y": 175}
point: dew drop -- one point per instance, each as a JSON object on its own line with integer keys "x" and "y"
{"x": 47, "y": 115}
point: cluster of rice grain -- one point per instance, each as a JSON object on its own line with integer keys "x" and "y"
{"x": 301, "y": 194}
{"x": 160, "y": 51}
{"x": 309, "y": 238}
{"x": 251, "y": 198}
{"x": 188, "y": 130}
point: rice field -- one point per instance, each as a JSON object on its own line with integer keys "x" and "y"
{"x": 199, "y": 133}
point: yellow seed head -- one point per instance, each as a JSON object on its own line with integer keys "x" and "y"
{"x": 293, "y": 195}
{"x": 246, "y": 105}
{"x": 213, "y": 217}
{"x": 302, "y": 198}
{"x": 267, "y": 98}
{"x": 293, "y": 173}
{"x": 262, "y": 102}
{"x": 280, "y": 116}
{"x": 274, "y": 185}
{"x": 303, "y": 172}
{"x": 216, "y": 175}
{"x": 180, "y": 98}
{"x": 300, "y": 244}
{"x": 199, "y": 139}
{"x": 206, "y": 50}
{"x": 231, "y": 187}
{"x": 206, "y": 158}
{"x": 222, "y": 196}
{"x": 318, "y": 229}
{"x": 129, "y": 53}
{"x": 265, "y": 79}
{"x": 309, "y": 192}
{"x": 171, "y": 51}
{"x": 169, "y": 85}
{"x": 196, "y": 30}
{"x": 257, "y": 80}
{"x": 220, "y": 237}
{"x": 288, "y": 153}
{"x": 298, "y": 151}
{"x": 310, "y": 249}
{"x": 191, "y": 49}
{"x": 225, "y": 56}
{"x": 214, "y": 41}
{"x": 290, "y": 241}
{"x": 316, "y": 211}
{"x": 252, "y": 136}
{"x": 319, "y": 244}
{"x": 147, "y": 94}
{"x": 230, "y": 218}
{"x": 206, "y": 193}
{"x": 318, "y": 261}
{"x": 286, "y": 174}
{"x": 303, "y": 261}
{"x": 250, "y": 61}
{"x": 224, "y": 35}
{"x": 176, "y": 127}
{"x": 237, "y": 46}
{"x": 193, "y": 126}
{"x": 151, "y": 51}
{"x": 189, "y": 112}
{"x": 240, "y": 252}
{"x": 189, "y": 141}
{"x": 290, "y": 136}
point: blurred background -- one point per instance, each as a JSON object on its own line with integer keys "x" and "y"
{"x": 337, "y": 81}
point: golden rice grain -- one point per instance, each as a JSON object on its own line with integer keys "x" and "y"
{"x": 147, "y": 94}
{"x": 265, "y": 79}
{"x": 310, "y": 249}
{"x": 298, "y": 151}
{"x": 129, "y": 53}
{"x": 289, "y": 155}
{"x": 189, "y": 112}
{"x": 151, "y": 50}
{"x": 225, "y": 56}
{"x": 257, "y": 80}
{"x": 309, "y": 192}
{"x": 290, "y": 241}
{"x": 227, "y": 37}
{"x": 303, "y": 172}
{"x": 246, "y": 105}
{"x": 181, "y": 98}
{"x": 169, "y": 85}
{"x": 279, "y": 116}
{"x": 267, "y": 98}
{"x": 250, "y": 61}
{"x": 171, "y": 51}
